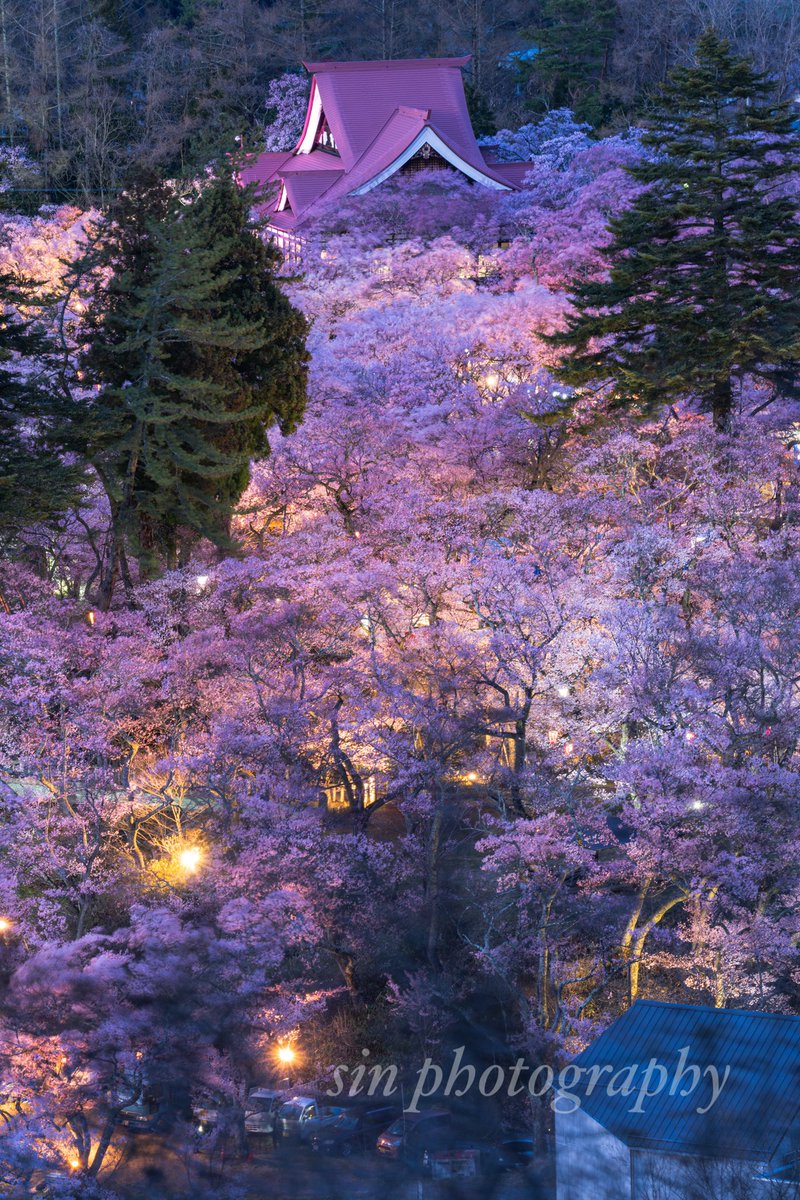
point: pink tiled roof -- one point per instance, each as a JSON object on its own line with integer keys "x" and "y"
{"x": 375, "y": 110}
{"x": 263, "y": 167}
{"x": 513, "y": 172}
{"x": 305, "y": 187}
{"x": 359, "y": 98}
{"x": 317, "y": 160}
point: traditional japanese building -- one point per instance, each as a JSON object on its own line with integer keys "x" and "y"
{"x": 365, "y": 122}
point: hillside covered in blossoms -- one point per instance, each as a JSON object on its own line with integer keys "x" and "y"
{"x": 462, "y": 708}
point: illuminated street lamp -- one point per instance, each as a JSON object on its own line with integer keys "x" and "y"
{"x": 5, "y": 926}
{"x": 190, "y": 859}
{"x": 286, "y": 1055}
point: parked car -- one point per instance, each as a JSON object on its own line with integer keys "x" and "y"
{"x": 155, "y": 1108}
{"x": 453, "y": 1162}
{"x": 513, "y": 1153}
{"x": 352, "y": 1131}
{"x": 300, "y": 1116}
{"x": 450, "y": 1156}
{"x": 51, "y": 1183}
{"x": 261, "y": 1111}
{"x": 413, "y": 1135}
{"x": 205, "y": 1116}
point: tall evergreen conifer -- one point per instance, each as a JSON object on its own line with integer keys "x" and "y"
{"x": 574, "y": 41}
{"x": 191, "y": 352}
{"x": 704, "y": 286}
{"x": 35, "y": 483}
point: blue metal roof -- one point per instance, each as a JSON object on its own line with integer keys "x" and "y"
{"x": 756, "y": 1108}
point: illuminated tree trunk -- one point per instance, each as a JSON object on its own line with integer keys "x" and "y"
{"x": 639, "y": 939}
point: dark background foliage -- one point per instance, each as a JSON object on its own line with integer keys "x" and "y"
{"x": 92, "y": 85}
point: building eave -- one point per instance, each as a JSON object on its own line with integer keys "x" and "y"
{"x": 313, "y": 115}
{"x": 428, "y": 136}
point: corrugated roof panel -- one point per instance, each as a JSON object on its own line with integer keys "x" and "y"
{"x": 303, "y": 189}
{"x": 757, "y": 1105}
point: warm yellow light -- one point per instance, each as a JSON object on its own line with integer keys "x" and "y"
{"x": 5, "y": 925}
{"x": 492, "y": 381}
{"x": 190, "y": 859}
{"x": 74, "y": 1164}
{"x": 286, "y": 1055}
{"x": 90, "y": 617}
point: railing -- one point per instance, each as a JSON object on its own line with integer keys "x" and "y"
{"x": 290, "y": 247}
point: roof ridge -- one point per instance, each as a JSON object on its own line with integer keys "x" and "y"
{"x": 711, "y": 1008}
{"x": 385, "y": 64}
{"x": 401, "y": 110}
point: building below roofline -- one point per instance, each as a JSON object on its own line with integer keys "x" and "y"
{"x": 367, "y": 121}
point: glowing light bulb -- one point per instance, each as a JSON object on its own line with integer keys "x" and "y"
{"x": 5, "y": 925}
{"x": 286, "y": 1055}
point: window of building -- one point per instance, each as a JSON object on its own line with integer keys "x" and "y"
{"x": 325, "y": 139}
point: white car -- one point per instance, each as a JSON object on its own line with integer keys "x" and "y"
{"x": 260, "y": 1111}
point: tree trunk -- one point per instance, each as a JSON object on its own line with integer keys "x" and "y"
{"x": 6, "y": 71}
{"x": 57, "y": 69}
{"x": 641, "y": 938}
{"x": 434, "y": 847}
{"x": 102, "y": 1146}
{"x": 721, "y": 404}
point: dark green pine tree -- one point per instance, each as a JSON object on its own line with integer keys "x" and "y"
{"x": 704, "y": 286}
{"x": 191, "y": 352}
{"x": 571, "y": 70}
{"x": 36, "y": 485}
{"x": 483, "y": 119}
